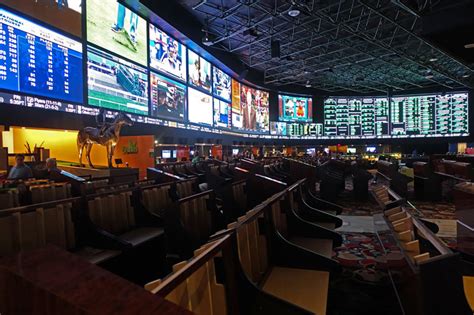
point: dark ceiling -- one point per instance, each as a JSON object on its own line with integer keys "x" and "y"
{"x": 363, "y": 46}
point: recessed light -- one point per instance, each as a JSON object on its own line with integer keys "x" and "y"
{"x": 471, "y": 45}
{"x": 294, "y": 12}
{"x": 433, "y": 59}
{"x": 466, "y": 76}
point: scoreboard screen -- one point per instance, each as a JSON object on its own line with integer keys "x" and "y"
{"x": 406, "y": 116}
{"x": 430, "y": 115}
{"x": 356, "y": 117}
{"x": 38, "y": 61}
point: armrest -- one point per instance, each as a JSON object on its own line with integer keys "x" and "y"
{"x": 98, "y": 238}
{"x": 321, "y": 203}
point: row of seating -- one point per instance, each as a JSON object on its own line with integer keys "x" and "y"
{"x": 385, "y": 197}
{"x": 270, "y": 261}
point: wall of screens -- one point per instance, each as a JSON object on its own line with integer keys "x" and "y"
{"x": 122, "y": 62}
{"x": 432, "y": 115}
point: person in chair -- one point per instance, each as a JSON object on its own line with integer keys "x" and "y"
{"x": 20, "y": 170}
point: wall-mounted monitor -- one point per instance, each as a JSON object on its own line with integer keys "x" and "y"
{"x": 115, "y": 83}
{"x": 351, "y": 150}
{"x": 250, "y": 111}
{"x": 222, "y": 114}
{"x": 64, "y": 15}
{"x": 168, "y": 98}
{"x": 200, "y": 108}
{"x": 199, "y": 72}
{"x": 371, "y": 149}
{"x": 38, "y": 61}
{"x": 167, "y": 54}
{"x": 278, "y": 128}
{"x": 166, "y": 154}
{"x": 221, "y": 84}
{"x": 295, "y": 108}
{"x": 112, "y": 26}
{"x": 235, "y": 151}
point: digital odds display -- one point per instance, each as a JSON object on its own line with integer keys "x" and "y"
{"x": 116, "y": 28}
{"x": 115, "y": 83}
{"x": 295, "y": 108}
{"x": 405, "y": 116}
{"x": 167, "y": 54}
{"x": 38, "y": 61}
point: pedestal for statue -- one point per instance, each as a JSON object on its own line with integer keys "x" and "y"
{"x": 115, "y": 175}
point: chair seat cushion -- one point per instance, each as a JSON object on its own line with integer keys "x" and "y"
{"x": 305, "y": 288}
{"x": 95, "y": 255}
{"x": 327, "y": 225}
{"x": 141, "y": 235}
{"x": 317, "y": 245}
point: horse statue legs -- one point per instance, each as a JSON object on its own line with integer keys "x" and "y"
{"x": 110, "y": 153}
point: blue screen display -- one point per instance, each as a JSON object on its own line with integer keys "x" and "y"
{"x": 35, "y": 60}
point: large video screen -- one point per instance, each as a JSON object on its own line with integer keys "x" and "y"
{"x": 200, "y": 109}
{"x": 199, "y": 71}
{"x": 64, "y": 15}
{"x": 430, "y": 115}
{"x": 167, "y": 54}
{"x": 254, "y": 109}
{"x": 221, "y": 84}
{"x": 222, "y": 114}
{"x": 295, "y": 108}
{"x": 35, "y": 60}
{"x": 168, "y": 98}
{"x": 115, "y": 83}
{"x": 112, "y": 26}
{"x": 237, "y": 122}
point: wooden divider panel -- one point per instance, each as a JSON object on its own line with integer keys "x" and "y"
{"x": 196, "y": 217}
{"x": 9, "y": 234}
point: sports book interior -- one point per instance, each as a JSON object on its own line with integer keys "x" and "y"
{"x": 238, "y": 157}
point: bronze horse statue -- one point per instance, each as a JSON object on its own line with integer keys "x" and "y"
{"x": 107, "y": 136}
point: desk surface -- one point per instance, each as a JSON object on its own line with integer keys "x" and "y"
{"x": 53, "y": 281}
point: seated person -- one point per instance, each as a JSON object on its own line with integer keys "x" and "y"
{"x": 20, "y": 170}
{"x": 52, "y": 167}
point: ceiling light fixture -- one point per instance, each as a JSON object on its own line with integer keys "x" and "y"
{"x": 467, "y": 46}
{"x": 433, "y": 59}
{"x": 308, "y": 85}
{"x": 466, "y": 76}
{"x": 293, "y": 11}
{"x": 206, "y": 41}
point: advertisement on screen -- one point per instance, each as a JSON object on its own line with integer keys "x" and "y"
{"x": 167, "y": 54}
{"x": 221, "y": 84}
{"x": 62, "y": 14}
{"x": 199, "y": 107}
{"x": 295, "y": 108}
{"x": 35, "y": 60}
{"x": 168, "y": 98}
{"x": 112, "y": 26}
{"x": 199, "y": 71}
{"x": 222, "y": 114}
{"x": 115, "y": 83}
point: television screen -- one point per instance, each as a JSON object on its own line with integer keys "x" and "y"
{"x": 252, "y": 110}
{"x": 115, "y": 83}
{"x": 64, "y": 15}
{"x": 35, "y": 60}
{"x": 278, "y": 128}
{"x": 199, "y": 107}
{"x": 168, "y": 98}
{"x": 112, "y": 26}
{"x": 222, "y": 114}
{"x": 371, "y": 149}
{"x": 222, "y": 84}
{"x": 295, "y": 108}
{"x": 311, "y": 151}
{"x": 351, "y": 150}
{"x": 236, "y": 108}
{"x": 199, "y": 71}
{"x": 167, "y": 54}
{"x": 166, "y": 154}
{"x": 235, "y": 151}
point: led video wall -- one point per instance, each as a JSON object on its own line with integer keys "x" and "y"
{"x": 400, "y": 117}
{"x": 54, "y": 57}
